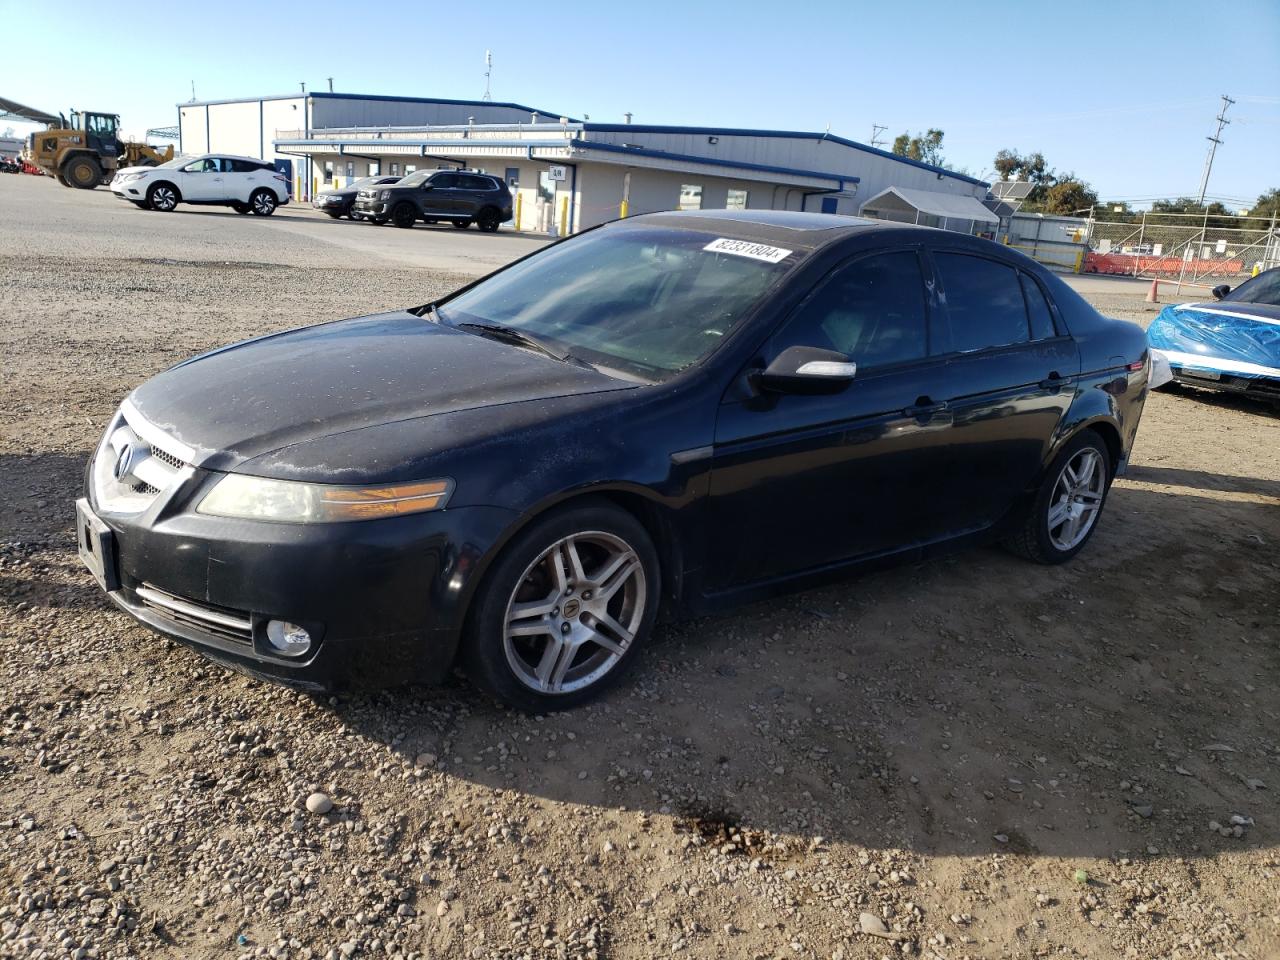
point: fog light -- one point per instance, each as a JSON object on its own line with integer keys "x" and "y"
{"x": 288, "y": 639}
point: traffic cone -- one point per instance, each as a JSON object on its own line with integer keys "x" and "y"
{"x": 1153, "y": 295}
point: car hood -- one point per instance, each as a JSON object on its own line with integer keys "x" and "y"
{"x": 339, "y": 193}
{"x": 252, "y": 398}
{"x": 141, "y": 169}
{"x": 1242, "y": 338}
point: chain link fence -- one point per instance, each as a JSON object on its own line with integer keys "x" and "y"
{"x": 1168, "y": 247}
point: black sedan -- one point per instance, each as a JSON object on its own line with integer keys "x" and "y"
{"x": 342, "y": 202}
{"x": 661, "y": 416}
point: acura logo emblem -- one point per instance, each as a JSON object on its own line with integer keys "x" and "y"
{"x": 124, "y": 462}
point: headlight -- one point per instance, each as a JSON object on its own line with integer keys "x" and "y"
{"x": 287, "y": 501}
{"x": 130, "y": 177}
{"x": 386, "y": 194}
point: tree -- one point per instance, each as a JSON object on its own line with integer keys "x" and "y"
{"x": 1267, "y": 205}
{"x": 925, "y": 147}
{"x": 1192, "y": 214}
{"x": 1069, "y": 195}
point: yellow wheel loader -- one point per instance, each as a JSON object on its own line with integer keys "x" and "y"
{"x": 87, "y": 150}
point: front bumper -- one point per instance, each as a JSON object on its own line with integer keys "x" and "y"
{"x": 371, "y": 208}
{"x": 384, "y": 600}
{"x": 132, "y": 191}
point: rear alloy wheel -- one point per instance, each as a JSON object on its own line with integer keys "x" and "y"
{"x": 462, "y": 224}
{"x": 564, "y": 609}
{"x": 1070, "y": 500}
{"x": 263, "y": 203}
{"x": 488, "y": 221}
{"x": 405, "y": 215}
{"x": 162, "y": 197}
{"x": 83, "y": 172}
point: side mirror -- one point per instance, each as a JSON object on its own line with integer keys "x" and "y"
{"x": 1221, "y": 290}
{"x": 427, "y": 186}
{"x": 807, "y": 370}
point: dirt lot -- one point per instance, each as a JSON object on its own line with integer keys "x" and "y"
{"x": 993, "y": 759}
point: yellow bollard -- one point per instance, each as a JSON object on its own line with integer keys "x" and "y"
{"x": 315, "y": 185}
{"x": 564, "y": 214}
{"x": 1257, "y": 269}
{"x": 622, "y": 210}
{"x": 1079, "y": 260}
{"x": 519, "y": 202}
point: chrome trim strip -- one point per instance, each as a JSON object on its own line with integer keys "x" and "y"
{"x": 194, "y": 611}
{"x": 154, "y": 436}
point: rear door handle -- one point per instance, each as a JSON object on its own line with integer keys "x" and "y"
{"x": 923, "y": 408}
{"x": 1054, "y": 382}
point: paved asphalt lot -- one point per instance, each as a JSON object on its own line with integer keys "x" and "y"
{"x": 991, "y": 759}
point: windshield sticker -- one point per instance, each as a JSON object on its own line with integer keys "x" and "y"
{"x": 745, "y": 248}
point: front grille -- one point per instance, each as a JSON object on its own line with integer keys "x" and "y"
{"x": 145, "y": 489}
{"x": 176, "y": 462}
{"x": 229, "y": 624}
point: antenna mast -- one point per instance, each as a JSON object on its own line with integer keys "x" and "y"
{"x": 876, "y": 130}
{"x": 488, "y": 68}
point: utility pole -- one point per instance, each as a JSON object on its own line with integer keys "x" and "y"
{"x": 330, "y": 79}
{"x": 1214, "y": 141}
{"x": 876, "y": 130}
{"x": 303, "y": 86}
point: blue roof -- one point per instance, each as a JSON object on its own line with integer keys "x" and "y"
{"x": 375, "y": 96}
{"x": 789, "y": 134}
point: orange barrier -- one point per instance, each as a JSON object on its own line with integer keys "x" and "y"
{"x": 1130, "y": 264}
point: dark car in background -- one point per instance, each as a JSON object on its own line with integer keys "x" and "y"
{"x": 460, "y": 197}
{"x": 667, "y": 414}
{"x": 1231, "y": 344}
{"x": 341, "y": 202}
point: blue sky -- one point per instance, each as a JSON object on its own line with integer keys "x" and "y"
{"x": 1122, "y": 93}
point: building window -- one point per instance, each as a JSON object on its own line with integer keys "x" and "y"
{"x": 409, "y": 168}
{"x": 351, "y": 169}
{"x": 513, "y": 177}
{"x": 328, "y": 171}
{"x": 375, "y": 168}
{"x": 690, "y": 196}
{"x": 395, "y": 170}
{"x": 737, "y": 200}
{"x": 546, "y": 186}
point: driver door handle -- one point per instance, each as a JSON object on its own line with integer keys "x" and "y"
{"x": 924, "y": 407}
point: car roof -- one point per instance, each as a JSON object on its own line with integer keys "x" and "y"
{"x": 229, "y": 156}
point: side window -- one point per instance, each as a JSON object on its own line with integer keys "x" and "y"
{"x": 1038, "y": 311}
{"x": 444, "y": 181}
{"x": 872, "y": 310}
{"x": 984, "y": 301}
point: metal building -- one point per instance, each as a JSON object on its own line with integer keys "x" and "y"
{"x": 568, "y": 174}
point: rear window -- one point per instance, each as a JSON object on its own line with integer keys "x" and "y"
{"x": 1038, "y": 311}
{"x": 984, "y": 302}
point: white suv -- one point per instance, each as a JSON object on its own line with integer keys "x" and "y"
{"x": 242, "y": 183}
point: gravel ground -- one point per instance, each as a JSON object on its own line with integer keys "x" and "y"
{"x": 968, "y": 758}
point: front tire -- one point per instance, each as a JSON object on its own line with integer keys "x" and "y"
{"x": 263, "y": 203}
{"x": 1068, "y": 504}
{"x": 564, "y": 609}
{"x": 405, "y": 215}
{"x": 162, "y": 197}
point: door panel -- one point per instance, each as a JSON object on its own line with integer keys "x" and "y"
{"x": 802, "y": 481}
{"x": 799, "y": 481}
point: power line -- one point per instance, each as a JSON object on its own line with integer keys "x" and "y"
{"x": 1214, "y": 141}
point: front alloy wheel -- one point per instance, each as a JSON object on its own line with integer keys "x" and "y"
{"x": 162, "y": 197}
{"x": 564, "y": 608}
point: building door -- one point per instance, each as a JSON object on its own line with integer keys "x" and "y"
{"x": 285, "y": 167}
{"x": 829, "y": 204}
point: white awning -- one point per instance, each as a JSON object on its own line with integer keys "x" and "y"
{"x": 949, "y": 206}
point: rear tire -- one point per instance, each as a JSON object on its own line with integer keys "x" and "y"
{"x": 488, "y": 221}
{"x": 263, "y": 203}
{"x": 1069, "y": 503}
{"x": 83, "y": 172}
{"x": 405, "y": 215}
{"x": 162, "y": 197}
{"x": 600, "y": 608}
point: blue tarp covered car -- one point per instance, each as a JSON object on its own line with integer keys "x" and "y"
{"x": 1231, "y": 344}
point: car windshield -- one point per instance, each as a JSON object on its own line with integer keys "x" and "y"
{"x": 1264, "y": 288}
{"x": 176, "y": 162}
{"x": 362, "y": 182}
{"x": 415, "y": 178}
{"x": 644, "y": 301}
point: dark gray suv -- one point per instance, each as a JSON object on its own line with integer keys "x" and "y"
{"x": 457, "y": 196}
